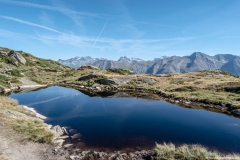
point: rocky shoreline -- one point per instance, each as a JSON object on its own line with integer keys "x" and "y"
{"x": 24, "y": 87}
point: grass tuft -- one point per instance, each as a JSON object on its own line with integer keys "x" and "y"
{"x": 189, "y": 152}
{"x": 33, "y": 130}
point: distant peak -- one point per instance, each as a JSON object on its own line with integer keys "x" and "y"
{"x": 198, "y": 53}
{"x": 124, "y": 59}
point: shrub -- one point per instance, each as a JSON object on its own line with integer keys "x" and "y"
{"x": 16, "y": 73}
{"x": 11, "y": 52}
{"x": 120, "y": 71}
{"x": 14, "y": 80}
{"x": 3, "y": 78}
{"x": 39, "y": 81}
{"x": 176, "y": 82}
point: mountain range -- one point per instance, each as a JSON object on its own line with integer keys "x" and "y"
{"x": 174, "y": 64}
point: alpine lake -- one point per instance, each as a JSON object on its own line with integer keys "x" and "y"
{"x": 120, "y": 122}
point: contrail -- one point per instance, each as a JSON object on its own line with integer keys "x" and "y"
{"x": 100, "y": 33}
{"x": 103, "y": 104}
{"x": 29, "y": 23}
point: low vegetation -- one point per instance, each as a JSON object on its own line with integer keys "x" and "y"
{"x": 119, "y": 71}
{"x": 189, "y": 152}
{"x": 31, "y": 129}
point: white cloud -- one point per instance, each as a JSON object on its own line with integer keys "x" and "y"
{"x": 46, "y": 19}
{"x": 123, "y": 46}
{"x": 29, "y": 23}
{"x": 60, "y": 9}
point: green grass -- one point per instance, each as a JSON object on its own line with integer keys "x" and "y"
{"x": 4, "y": 81}
{"x": 16, "y": 73}
{"x": 189, "y": 152}
{"x": 33, "y": 130}
{"x": 14, "y": 80}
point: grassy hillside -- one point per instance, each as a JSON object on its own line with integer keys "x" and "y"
{"x": 14, "y": 73}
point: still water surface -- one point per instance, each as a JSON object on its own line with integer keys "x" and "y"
{"x": 118, "y": 123}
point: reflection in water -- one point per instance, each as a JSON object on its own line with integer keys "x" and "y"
{"x": 118, "y": 123}
{"x": 45, "y": 101}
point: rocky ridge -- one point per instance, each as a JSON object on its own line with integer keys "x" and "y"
{"x": 174, "y": 64}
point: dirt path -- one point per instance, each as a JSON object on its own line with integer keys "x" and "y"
{"x": 11, "y": 147}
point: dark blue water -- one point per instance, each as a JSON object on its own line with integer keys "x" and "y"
{"x": 119, "y": 123}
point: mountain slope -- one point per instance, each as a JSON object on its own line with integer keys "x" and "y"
{"x": 79, "y": 61}
{"x": 19, "y": 68}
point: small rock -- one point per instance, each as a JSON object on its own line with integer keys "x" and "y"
{"x": 76, "y": 136}
{"x": 67, "y": 145}
{"x": 236, "y": 111}
{"x": 72, "y": 157}
{"x": 59, "y": 142}
{"x": 57, "y": 130}
{"x": 73, "y": 131}
{"x": 98, "y": 88}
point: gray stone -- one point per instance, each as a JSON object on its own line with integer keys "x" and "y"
{"x": 87, "y": 77}
{"x": 76, "y": 136}
{"x": 236, "y": 111}
{"x": 115, "y": 81}
{"x": 72, "y": 157}
{"x": 13, "y": 114}
{"x": 18, "y": 56}
{"x": 148, "y": 80}
{"x": 98, "y": 88}
{"x": 57, "y": 130}
{"x": 73, "y": 131}
{"x": 58, "y": 141}
{"x": 232, "y": 88}
{"x": 68, "y": 145}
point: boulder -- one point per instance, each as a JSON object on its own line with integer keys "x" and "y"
{"x": 115, "y": 81}
{"x": 18, "y": 56}
{"x": 76, "y": 136}
{"x": 88, "y": 67}
{"x": 148, "y": 80}
{"x": 236, "y": 111}
{"x": 57, "y": 130}
{"x": 232, "y": 88}
{"x": 87, "y": 77}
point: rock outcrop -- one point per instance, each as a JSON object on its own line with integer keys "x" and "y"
{"x": 18, "y": 56}
{"x": 115, "y": 81}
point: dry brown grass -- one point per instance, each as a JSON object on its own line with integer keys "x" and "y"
{"x": 189, "y": 152}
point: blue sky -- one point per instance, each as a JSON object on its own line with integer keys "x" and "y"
{"x": 147, "y": 29}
